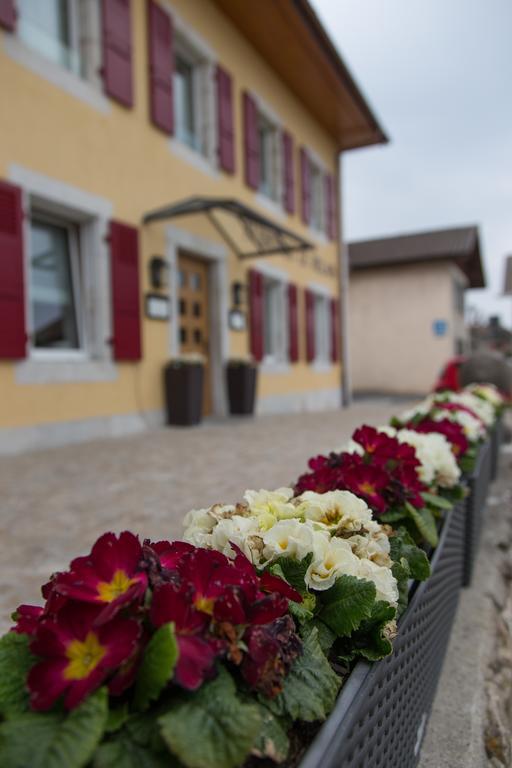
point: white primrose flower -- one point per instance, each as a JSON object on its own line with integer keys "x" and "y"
{"x": 199, "y": 520}
{"x": 331, "y": 558}
{"x": 484, "y": 410}
{"x": 271, "y": 506}
{"x": 335, "y": 510}
{"x": 489, "y": 392}
{"x": 242, "y": 531}
{"x": 374, "y": 547}
{"x": 421, "y": 409}
{"x": 289, "y": 538}
{"x": 382, "y": 577}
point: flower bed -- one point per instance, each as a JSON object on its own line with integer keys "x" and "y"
{"x": 496, "y": 441}
{"x": 230, "y": 647}
{"x": 382, "y": 711}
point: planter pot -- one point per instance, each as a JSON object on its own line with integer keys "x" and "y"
{"x": 382, "y": 712}
{"x": 184, "y": 393}
{"x": 241, "y": 380}
{"x": 478, "y": 484}
{"x": 496, "y": 440}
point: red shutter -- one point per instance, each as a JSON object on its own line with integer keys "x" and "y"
{"x": 335, "y": 327}
{"x": 225, "y": 120}
{"x": 117, "y": 50}
{"x": 305, "y": 190}
{"x": 8, "y": 14}
{"x": 161, "y": 66}
{"x": 293, "y": 324}
{"x": 309, "y": 297}
{"x": 288, "y": 173}
{"x": 330, "y": 205}
{"x": 251, "y": 142}
{"x": 256, "y": 314}
{"x": 12, "y": 291}
{"x": 124, "y": 253}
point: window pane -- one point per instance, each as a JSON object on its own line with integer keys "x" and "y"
{"x": 195, "y": 281}
{"x": 270, "y": 318}
{"x": 184, "y": 102}
{"x": 183, "y": 335}
{"x": 45, "y": 25}
{"x": 266, "y": 134}
{"x": 183, "y": 307}
{"x": 197, "y": 335}
{"x": 54, "y": 315}
{"x": 196, "y": 309}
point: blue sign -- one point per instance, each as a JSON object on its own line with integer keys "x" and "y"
{"x": 440, "y": 327}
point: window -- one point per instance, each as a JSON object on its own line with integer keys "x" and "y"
{"x": 55, "y": 285}
{"x": 458, "y": 295}
{"x": 322, "y": 329}
{"x": 268, "y": 139}
{"x": 318, "y": 202}
{"x": 274, "y": 320}
{"x": 193, "y": 97}
{"x": 67, "y": 32}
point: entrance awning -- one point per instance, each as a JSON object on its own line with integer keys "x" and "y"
{"x": 246, "y": 231}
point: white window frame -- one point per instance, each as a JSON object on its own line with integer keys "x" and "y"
{"x": 322, "y": 298}
{"x": 93, "y": 214}
{"x": 87, "y": 88}
{"x": 274, "y": 200}
{"x": 77, "y": 283}
{"x": 189, "y": 44}
{"x": 279, "y": 362}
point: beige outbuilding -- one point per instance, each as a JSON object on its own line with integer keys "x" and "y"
{"x": 407, "y": 307}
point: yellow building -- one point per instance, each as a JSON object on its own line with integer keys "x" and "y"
{"x": 168, "y": 184}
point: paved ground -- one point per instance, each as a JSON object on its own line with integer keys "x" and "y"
{"x": 55, "y": 503}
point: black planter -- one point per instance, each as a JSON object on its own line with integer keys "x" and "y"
{"x": 478, "y": 485}
{"x": 496, "y": 440}
{"x": 383, "y": 709}
{"x": 241, "y": 380}
{"x": 183, "y": 384}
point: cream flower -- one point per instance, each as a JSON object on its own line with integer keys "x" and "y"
{"x": 374, "y": 547}
{"x": 382, "y": 577}
{"x": 242, "y": 531}
{"x": 335, "y": 510}
{"x": 487, "y": 392}
{"x": 288, "y": 538}
{"x": 331, "y": 559}
{"x": 271, "y": 506}
{"x": 199, "y": 519}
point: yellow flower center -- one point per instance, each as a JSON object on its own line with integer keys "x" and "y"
{"x": 204, "y": 604}
{"x": 367, "y": 487}
{"x": 331, "y": 516}
{"x": 84, "y": 656}
{"x": 110, "y": 590}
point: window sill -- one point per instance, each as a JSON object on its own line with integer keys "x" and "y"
{"x": 322, "y": 366}
{"x": 319, "y": 235}
{"x": 55, "y": 74}
{"x": 191, "y": 156}
{"x": 275, "y": 367}
{"x": 271, "y": 205}
{"x": 64, "y": 371}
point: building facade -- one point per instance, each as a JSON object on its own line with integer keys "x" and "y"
{"x": 407, "y": 307}
{"x": 168, "y": 185}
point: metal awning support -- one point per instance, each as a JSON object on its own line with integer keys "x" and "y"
{"x": 246, "y": 231}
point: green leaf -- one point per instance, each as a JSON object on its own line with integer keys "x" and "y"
{"x": 326, "y": 636}
{"x": 272, "y": 740}
{"x": 346, "y": 604}
{"x": 401, "y": 572}
{"x": 117, "y": 718}
{"x": 403, "y": 546}
{"x": 157, "y": 666}
{"x": 211, "y": 728}
{"x": 137, "y": 745}
{"x": 15, "y": 663}
{"x": 37, "y": 740}
{"x": 311, "y": 686}
{"x": 292, "y": 571}
{"x": 371, "y": 640}
{"x": 436, "y": 501}
{"x": 393, "y": 516}
{"x": 425, "y": 523}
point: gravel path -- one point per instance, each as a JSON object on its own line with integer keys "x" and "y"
{"x": 55, "y": 503}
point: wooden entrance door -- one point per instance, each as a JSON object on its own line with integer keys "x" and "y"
{"x": 194, "y": 328}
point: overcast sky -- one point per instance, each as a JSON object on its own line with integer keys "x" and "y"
{"x": 438, "y": 75}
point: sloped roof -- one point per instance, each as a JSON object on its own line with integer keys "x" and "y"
{"x": 293, "y": 41}
{"x": 461, "y": 245}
